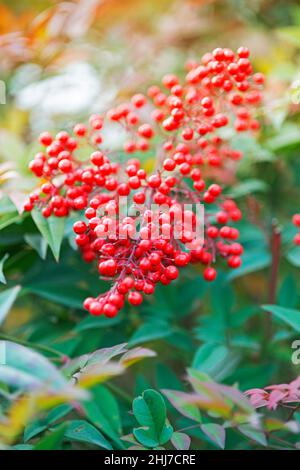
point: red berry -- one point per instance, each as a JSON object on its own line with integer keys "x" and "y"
{"x": 209, "y": 274}
{"x": 45, "y": 139}
{"x": 135, "y": 298}
{"x": 79, "y": 227}
{"x": 171, "y": 272}
{"x": 234, "y": 261}
{"x": 110, "y": 310}
{"x": 95, "y": 308}
{"x": 296, "y": 220}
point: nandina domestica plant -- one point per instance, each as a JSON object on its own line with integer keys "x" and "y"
{"x": 181, "y": 124}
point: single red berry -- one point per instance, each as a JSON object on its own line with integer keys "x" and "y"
{"x": 171, "y": 272}
{"x": 95, "y": 308}
{"x": 234, "y": 261}
{"x": 79, "y": 227}
{"x": 209, "y": 274}
{"x": 296, "y": 220}
{"x": 110, "y": 310}
{"x": 80, "y": 130}
{"x": 135, "y": 298}
{"x": 45, "y": 139}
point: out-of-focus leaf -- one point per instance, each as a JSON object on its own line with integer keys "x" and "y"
{"x": 97, "y": 367}
{"x": 33, "y": 429}
{"x": 286, "y": 138}
{"x": 248, "y": 187}
{"x": 215, "y": 360}
{"x": 38, "y": 243}
{"x": 180, "y": 401}
{"x": 215, "y": 432}
{"x": 7, "y": 298}
{"x": 90, "y": 322}
{"x": 52, "y": 229}
{"x": 293, "y": 256}
{"x": 216, "y": 397}
{"x": 20, "y": 412}
{"x": 64, "y": 295}
{"x": 2, "y": 261}
{"x": 99, "y": 414}
{"x": 53, "y": 440}
{"x": 136, "y": 355}
{"x": 36, "y": 427}
{"x": 181, "y": 441}
{"x": 150, "y": 331}
{"x": 95, "y": 374}
{"x": 253, "y": 434}
{"x": 288, "y": 293}
{"x": 25, "y": 360}
{"x": 82, "y": 431}
{"x": 287, "y": 315}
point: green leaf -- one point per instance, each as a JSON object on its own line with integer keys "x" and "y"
{"x": 8, "y": 216}
{"x": 38, "y": 243}
{"x": 150, "y": 412}
{"x": 53, "y": 440}
{"x": 289, "y": 316}
{"x": 287, "y": 137}
{"x": 7, "y": 298}
{"x": 248, "y": 187}
{"x": 52, "y": 229}
{"x": 64, "y": 295}
{"x": 181, "y": 441}
{"x": 57, "y": 413}
{"x": 216, "y": 360}
{"x": 254, "y": 434}
{"x": 2, "y": 261}
{"x": 26, "y": 369}
{"x": 215, "y": 432}
{"x": 90, "y": 322}
{"x": 181, "y": 404}
{"x": 288, "y": 293}
{"x": 94, "y": 413}
{"x": 36, "y": 427}
{"x": 80, "y": 430}
{"x": 33, "y": 429}
{"x": 150, "y": 331}
{"x": 293, "y": 256}
{"x": 108, "y": 406}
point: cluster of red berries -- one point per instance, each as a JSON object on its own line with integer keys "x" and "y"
{"x": 159, "y": 233}
{"x": 296, "y": 222}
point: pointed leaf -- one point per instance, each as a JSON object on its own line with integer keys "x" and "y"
{"x": 181, "y": 441}
{"x": 7, "y": 298}
{"x": 38, "y": 243}
{"x": 80, "y": 430}
{"x": 180, "y": 401}
{"x": 215, "y": 432}
{"x": 2, "y": 261}
{"x": 53, "y": 440}
{"x": 288, "y": 315}
{"x": 52, "y": 229}
{"x": 254, "y": 434}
